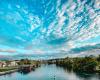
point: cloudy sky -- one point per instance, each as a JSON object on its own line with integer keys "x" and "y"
{"x": 49, "y": 28}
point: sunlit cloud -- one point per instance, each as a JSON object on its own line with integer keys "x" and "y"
{"x": 48, "y": 28}
{"x": 8, "y": 51}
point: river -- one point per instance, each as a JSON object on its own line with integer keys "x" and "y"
{"x": 50, "y": 72}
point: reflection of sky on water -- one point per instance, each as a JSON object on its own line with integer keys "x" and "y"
{"x": 50, "y": 72}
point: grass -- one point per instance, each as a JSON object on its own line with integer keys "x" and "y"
{"x": 7, "y": 69}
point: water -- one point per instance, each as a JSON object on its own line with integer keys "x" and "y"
{"x": 50, "y": 72}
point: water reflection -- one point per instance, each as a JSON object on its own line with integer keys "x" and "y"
{"x": 26, "y": 70}
{"x": 49, "y": 72}
{"x": 67, "y": 69}
{"x": 85, "y": 75}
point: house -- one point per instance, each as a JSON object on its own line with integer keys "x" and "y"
{"x": 13, "y": 63}
{"x": 8, "y": 63}
{"x": 98, "y": 68}
{"x": 2, "y": 64}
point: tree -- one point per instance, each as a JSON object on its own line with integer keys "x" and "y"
{"x": 85, "y": 64}
{"x": 24, "y": 62}
{"x": 98, "y": 58}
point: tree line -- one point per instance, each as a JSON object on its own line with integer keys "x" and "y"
{"x": 86, "y": 64}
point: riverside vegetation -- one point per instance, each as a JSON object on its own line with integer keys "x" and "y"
{"x": 17, "y": 65}
{"x": 78, "y": 64}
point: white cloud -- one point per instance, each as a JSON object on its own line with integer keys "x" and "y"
{"x": 19, "y": 38}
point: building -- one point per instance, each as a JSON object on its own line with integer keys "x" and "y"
{"x": 13, "y": 63}
{"x": 98, "y": 68}
{"x": 2, "y": 64}
{"x": 8, "y": 63}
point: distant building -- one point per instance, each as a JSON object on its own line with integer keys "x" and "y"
{"x": 13, "y": 63}
{"x": 98, "y": 68}
{"x": 2, "y": 64}
{"x": 8, "y": 64}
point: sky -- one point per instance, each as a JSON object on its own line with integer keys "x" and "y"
{"x": 49, "y": 28}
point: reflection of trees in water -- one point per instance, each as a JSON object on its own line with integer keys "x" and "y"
{"x": 68, "y": 69}
{"x": 85, "y": 76}
{"x": 99, "y": 76}
{"x": 25, "y": 71}
{"x": 8, "y": 74}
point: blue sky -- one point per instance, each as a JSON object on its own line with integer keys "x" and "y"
{"x": 48, "y": 27}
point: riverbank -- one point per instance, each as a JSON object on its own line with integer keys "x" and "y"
{"x": 8, "y": 71}
{"x": 9, "y": 66}
{"x": 50, "y": 72}
{"x": 78, "y": 64}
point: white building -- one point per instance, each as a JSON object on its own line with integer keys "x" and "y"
{"x": 13, "y": 63}
{"x": 2, "y": 64}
